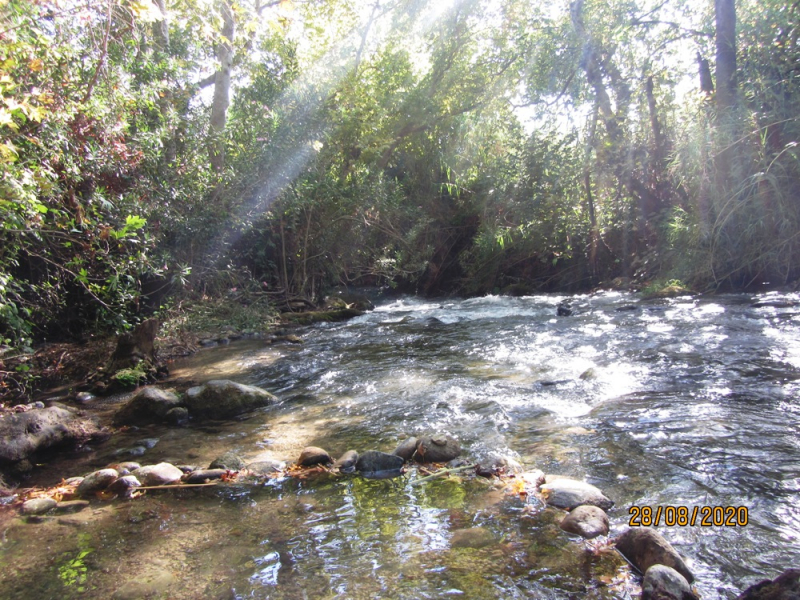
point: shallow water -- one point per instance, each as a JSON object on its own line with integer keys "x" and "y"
{"x": 681, "y": 402}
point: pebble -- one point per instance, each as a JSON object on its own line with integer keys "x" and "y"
{"x": 587, "y": 521}
{"x": 160, "y": 474}
{"x": 203, "y": 475}
{"x": 97, "y": 482}
{"x": 312, "y": 455}
{"x": 570, "y": 493}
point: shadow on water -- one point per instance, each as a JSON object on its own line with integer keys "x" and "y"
{"x": 683, "y": 402}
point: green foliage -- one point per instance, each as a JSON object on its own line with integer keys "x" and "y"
{"x": 73, "y": 572}
{"x": 458, "y": 148}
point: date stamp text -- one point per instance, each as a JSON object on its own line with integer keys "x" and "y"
{"x": 683, "y": 516}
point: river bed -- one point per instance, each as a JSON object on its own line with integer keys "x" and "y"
{"x": 690, "y": 401}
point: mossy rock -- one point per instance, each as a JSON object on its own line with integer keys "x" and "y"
{"x": 671, "y": 289}
{"x": 128, "y": 379}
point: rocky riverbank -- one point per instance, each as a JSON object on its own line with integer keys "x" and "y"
{"x": 579, "y": 508}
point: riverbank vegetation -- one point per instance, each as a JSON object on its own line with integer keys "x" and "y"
{"x": 155, "y": 152}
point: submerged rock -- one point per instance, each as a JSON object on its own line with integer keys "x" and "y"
{"x": 665, "y": 583}
{"x": 437, "y": 448}
{"x": 230, "y": 460}
{"x": 407, "y": 448}
{"x": 570, "y": 493}
{"x": 312, "y": 455}
{"x": 346, "y": 463}
{"x": 71, "y": 506}
{"x": 150, "y": 405}
{"x": 784, "y": 587}
{"x": 645, "y": 547}
{"x": 473, "y": 537}
{"x": 97, "y": 482}
{"x": 222, "y": 399}
{"x": 374, "y": 463}
{"x": 587, "y": 521}
{"x": 263, "y": 468}
{"x": 161, "y": 474}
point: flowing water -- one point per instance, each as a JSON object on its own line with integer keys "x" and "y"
{"x": 682, "y": 402}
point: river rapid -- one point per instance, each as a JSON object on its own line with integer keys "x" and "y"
{"x": 690, "y": 401}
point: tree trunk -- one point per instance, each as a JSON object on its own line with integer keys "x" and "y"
{"x": 222, "y": 86}
{"x": 725, "y": 16}
{"x": 135, "y": 347}
{"x": 161, "y": 35}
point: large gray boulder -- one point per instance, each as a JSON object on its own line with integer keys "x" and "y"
{"x": 645, "y": 547}
{"x": 571, "y": 493}
{"x": 222, "y": 399}
{"x": 26, "y": 433}
{"x": 665, "y": 583}
{"x": 150, "y": 405}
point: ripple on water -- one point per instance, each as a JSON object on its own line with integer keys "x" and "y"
{"x": 690, "y": 401}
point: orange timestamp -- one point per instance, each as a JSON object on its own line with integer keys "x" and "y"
{"x": 682, "y": 516}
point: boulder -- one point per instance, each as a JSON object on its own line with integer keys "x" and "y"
{"x": 96, "y": 482}
{"x": 664, "y": 583}
{"x": 587, "y": 521}
{"x": 407, "y": 448}
{"x": 222, "y": 399}
{"x": 312, "y": 455}
{"x": 784, "y": 587}
{"x": 38, "y": 506}
{"x": 347, "y": 462}
{"x": 570, "y": 493}
{"x": 437, "y": 448}
{"x": 203, "y": 475}
{"x": 150, "y": 405}
{"x": 377, "y": 464}
{"x": 645, "y": 547}
{"x": 160, "y": 474}
{"x": 229, "y": 461}
{"x": 26, "y": 433}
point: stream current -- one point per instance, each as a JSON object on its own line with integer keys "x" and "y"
{"x": 690, "y": 401}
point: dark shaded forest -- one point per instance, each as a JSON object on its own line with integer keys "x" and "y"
{"x": 153, "y": 151}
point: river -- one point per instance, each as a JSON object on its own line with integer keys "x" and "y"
{"x": 690, "y": 401}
